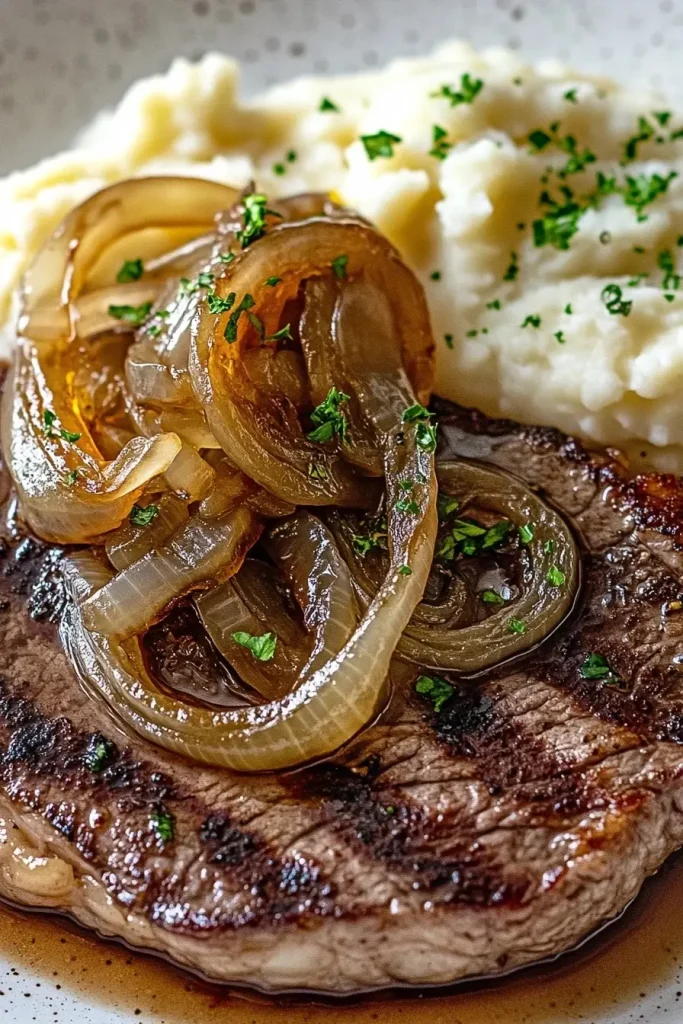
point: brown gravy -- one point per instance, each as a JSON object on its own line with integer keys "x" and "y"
{"x": 635, "y": 958}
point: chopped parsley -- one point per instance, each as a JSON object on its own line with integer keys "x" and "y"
{"x": 142, "y": 515}
{"x": 665, "y": 262}
{"x": 328, "y": 418}
{"x": 612, "y": 296}
{"x": 49, "y": 430}
{"x": 284, "y": 334}
{"x": 532, "y": 320}
{"x": 217, "y": 305}
{"x": 496, "y": 535}
{"x": 517, "y": 626}
{"x": 448, "y": 338}
{"x": 469, "y": 538}
{"x": 513, "y": 268}
{"x": 405, "y": 570}
{"x": 99, "y": 753}
{"x": 435, "y": 689}
{"x": 71, "y": 477}
{"x": 270, "y": 282}
{"x": 317, "y": 471}
{"x": 549, "y": 547}
{"x": 230, "y": 333}
{"x": 257, "y": 323}
{"x": 568, "y": 309}
{"x": 644, "y": 133}
{"x": 375, "y": 540}
{"x": 254, "y": 218}
{"x": 526, "y": 533}
{"x": 643, "y": 190}
{"x": 446, "y": 506}
{"x": 339, "y": 266}
{"x": 163, "y": 823}
{"x": 538, "y": 140}
{"x": 227, "y": 257}
{"x": 407, "y": 505}
{"x": 425, "y": 433}
{"x": 435, "y": 275}
{"x": 555, "y": 576}
{"x": 134, "y": 315}
{"x": 262, "y": 647}
{"x": 131, "y": 270}
{"x": 468, "y": 91}
{"x": 440, "y": 148}
{"x": 381, "y": 144}
{"x": 494, "y": 304}
{"x": 559, "y": 223}
{"x": 596, "y": 666}
{"x": 491, "y": 597}
{"x": 559, "y": 337}
{"x": 327, "y": 106}
{"x": 570, "y": 96}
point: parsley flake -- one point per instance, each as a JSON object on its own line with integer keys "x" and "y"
{"x": 491, "y": 597}
{"x": 339, "y": 266}
{"x": 448, "y": 338}
{"x": 262, "y": 647}
{"x": 405, "y": 570}
{"x": 555, "y": 576}
{"x": 227, "y": 257}
{"x": 435, "y": 275}
{"x": 131, "y": 270}
{"x": 570, "y": 96}
{"x": 435, "y": 689}
{"x": 134, "y": 315}
{"x": 568, "y": 309}
{"x": 270, "y": 282}
{"x": 533, "y": 320}
{"x": 643, "y": 190}
{"x": 468, "y": 91}
{"x": 440, "y": 148}
{"x": 494, "y": 304}
{"x": 143, "y": 515}
{"x": 513, "y": 268}
{"x": 425, "y": 433}
{"x": 230, "y": 333}
{"x": 254, "y": 218}
{"x": 381, "y": 144}
{"x": 517, "y": 626}
{"x": 71, "y": 477}
{"x": 217, "y": 305}
{"x": 665, "y": 262}
{"x": 163, "y": 824}
{"x": 538, "y": 140}
{"x": 49, "y": 430}
{"x": 559, "y": 337}
{"x": 612, "y": 296}
{"x": 596, "y": 666}
{"x": 328, "y": 419}
{"x": 99, "y": 753}
{"x": 645, "y": 132}
{"x": 327, "y": 106}
{"x": 526, "y": 533}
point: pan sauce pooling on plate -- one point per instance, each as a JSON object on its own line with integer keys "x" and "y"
{"x": 540, "y": 207}
{"x": 225, "y": 394}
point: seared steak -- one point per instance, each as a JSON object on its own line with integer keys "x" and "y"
{"x": 501, "y": 830}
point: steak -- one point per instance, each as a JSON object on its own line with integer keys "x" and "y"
{"x": 498, "y": 832}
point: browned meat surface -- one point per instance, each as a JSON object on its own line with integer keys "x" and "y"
{"x": 496, "y": 833}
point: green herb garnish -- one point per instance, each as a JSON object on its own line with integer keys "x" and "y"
{"x": 517, "y": 626}
{"x": 134, "y": 315}
{"x": 440, "y": 148}
{"x": 328, "y": 418}
{"x": 643, "y": 190}
{"x": 435, "y": 689}
{"x": 491, "y": 597}
{"x": 163, "y": 823}
{"x": 254, "y": 218}
{"x": 513, "y": 268}
{"x": 217, "y": 305}
{"x": 405, "y": 570}
{"x": 570, "y": 96}
{"x": 596, "y": 666}
{"x": 559, "y": 337}
{"x": 381, "y": 144}
{"x": 270, "y": 282}
{"x": 142, "y": 515}
{"x": 469, "y": 89}
{"x": 425, "y": 433}
{"x": 339, "y": 266}
{"x": 327, "y": 106}
{"x": 526, "y": 533}
{"x": 262, "y": 647}
{"x": 612, "y": 296}
{"x": 131, "y": 270}
{"x": 532, "y": 320}
{"x": 71, "y": 477}
{"x": 99, "y": 753}
{"x": 230, "y": 333}
{"x": 555, "y": 576}
{"x": 49, "y": 420}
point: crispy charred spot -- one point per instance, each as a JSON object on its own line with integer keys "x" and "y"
{"x": 407, "y": 840}
{"x": 226, "y": 844}
{"x": 33, "y": 568}
{"x": 655, "y": 501}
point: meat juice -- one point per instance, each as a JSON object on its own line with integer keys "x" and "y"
{"x": 636, "y": 957}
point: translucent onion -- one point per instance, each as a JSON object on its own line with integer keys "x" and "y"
{"x": 261, "y": 434}
{"x": 59, "y": 272}
{"x": 328, "y": 707}
{"x": 130, "y": 542}
{"x": 199, "y": 554}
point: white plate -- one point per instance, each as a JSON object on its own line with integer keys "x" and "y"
{"x": 60, "y": 62}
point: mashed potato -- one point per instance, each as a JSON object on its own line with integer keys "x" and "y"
{"x": 542, "y": 209}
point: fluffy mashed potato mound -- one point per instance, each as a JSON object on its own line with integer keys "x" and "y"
{"x": 542, "y": 209}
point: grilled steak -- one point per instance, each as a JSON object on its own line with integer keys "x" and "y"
{"x": 501, "y": 830}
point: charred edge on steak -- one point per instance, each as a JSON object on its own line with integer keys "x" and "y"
{"x": 401, "y": 836}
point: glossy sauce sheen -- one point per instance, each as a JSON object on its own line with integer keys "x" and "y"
{"x": 611, "y": 975}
